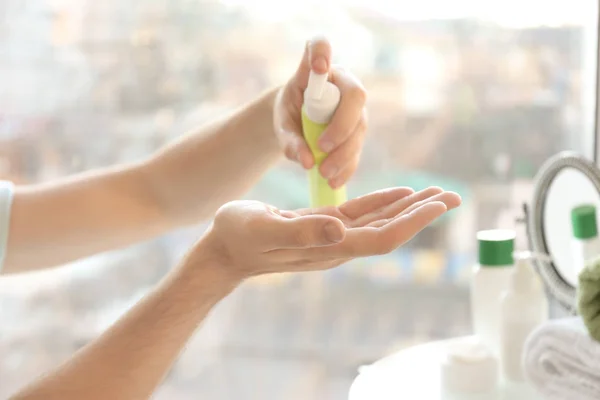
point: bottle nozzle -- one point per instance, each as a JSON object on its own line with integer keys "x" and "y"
{"x": 321, "y": 98}
{"x": 316, "y": 85}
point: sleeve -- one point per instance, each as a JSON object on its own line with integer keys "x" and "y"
{"x": 6, "y": 197}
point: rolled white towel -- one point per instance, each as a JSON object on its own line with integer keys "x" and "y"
{"x": 562, "y": 361}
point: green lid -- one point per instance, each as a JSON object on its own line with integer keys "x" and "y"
{"x": 496, "y": 247}
{"x": 583, "y": 220}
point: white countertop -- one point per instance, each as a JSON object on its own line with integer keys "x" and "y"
{"x": 414, "y": 373}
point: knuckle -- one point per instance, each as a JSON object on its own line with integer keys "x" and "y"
{"x": 228, "y": 212}
{"x": 364, "y": 122}
{"x": 360, "y": 94}
{"x": 351, "y": 157}
{"x": 338, "y": 135}
{"x": 385, "y": 221}
{"x": 290, "y": 153}
{"x": 226, "y": 208}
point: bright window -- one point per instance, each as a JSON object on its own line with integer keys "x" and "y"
{"x": 469, "y": 95}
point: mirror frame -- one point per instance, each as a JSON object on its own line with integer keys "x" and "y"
{"x": 557, "y": 286}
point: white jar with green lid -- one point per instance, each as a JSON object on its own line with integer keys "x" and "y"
{"x": 490, "y": 279}
{"x": 586, "y": 242}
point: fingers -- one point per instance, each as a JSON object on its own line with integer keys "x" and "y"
{"x": 297, "y": 150}
{"x": 358, "y": 206}
{"x": 364, "y": 242}
{"x": 406, "y": 214}
{"x": 407, "y": 226}
{"x": 289, "y": 232}
{"x": 450, "y": 199}
{"x": 317, "y": 56}
{"x": 345, "y": 134}
{"x": 366, "y": 204}
{"x": 349, "y": 112}
{"x": 292, "y": 142}
{"x": 370, "y": 241}
{"x": 341, "y": 164}
{"x": 394, "y": 209}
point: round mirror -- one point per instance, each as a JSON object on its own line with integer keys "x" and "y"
{"x": 564, "y": 182}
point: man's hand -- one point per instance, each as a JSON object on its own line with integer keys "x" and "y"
{"x": 251, "y": 238}
{"x": 246, "y": 239}
{"x": 343, "y": 138}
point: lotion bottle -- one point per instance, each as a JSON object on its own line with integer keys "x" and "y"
{"x": 523, "y": 307}
{"x": 585, "y": 242}
{"x": 490, "y": 278}
{"x": 321, "y": 99}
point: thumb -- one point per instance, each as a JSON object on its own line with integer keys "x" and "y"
{"x": 317, "y": 57}
{"x": 301, "y": 232}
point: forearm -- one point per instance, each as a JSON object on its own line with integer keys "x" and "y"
{"x": 51, "y": 224}
{"x": 130, "y": 359}
{"x": 182, "y": 184}
{"x": 196, "y": 175}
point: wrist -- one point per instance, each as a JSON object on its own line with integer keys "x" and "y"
{"x": 205, "y": 265}
{"x": 263, "y": 110}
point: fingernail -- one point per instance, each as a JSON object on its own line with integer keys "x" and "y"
{"x": 306, "y": 162}
{"x": 333, "y": 233}
{"x": 298, "y": 154}
{"x": 326, "y": 146}
{"x": 320, "y": 65}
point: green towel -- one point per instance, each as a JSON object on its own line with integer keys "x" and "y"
{"x": 588, "y": 293}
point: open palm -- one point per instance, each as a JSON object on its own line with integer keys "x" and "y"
{"x": 380, "y": 222}
{"x": 254, "y": 238}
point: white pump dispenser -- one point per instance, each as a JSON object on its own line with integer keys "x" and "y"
{"x": 523, "y": 307}
{"x": 321, "y": 98}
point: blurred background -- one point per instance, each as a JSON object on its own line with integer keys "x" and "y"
{"x": 469, "y": 95}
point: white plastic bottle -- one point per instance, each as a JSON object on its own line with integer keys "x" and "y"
{"x": 490, "y": 279}
{"x": 585, "y": 242}
{"x": 523, "y": 307}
